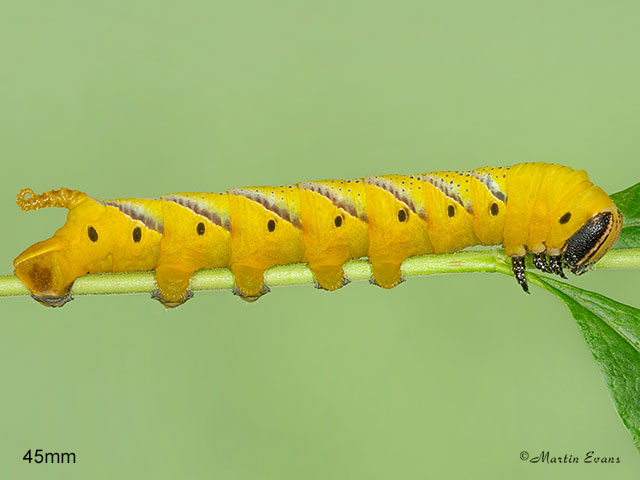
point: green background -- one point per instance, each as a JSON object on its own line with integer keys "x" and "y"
{"x": 443, "y": 377}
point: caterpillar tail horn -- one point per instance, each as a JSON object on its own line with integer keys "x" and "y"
{"x": 62, "y": 198}
{"x": 48, "y": 268}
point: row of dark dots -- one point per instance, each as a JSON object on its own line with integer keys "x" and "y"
{"x": 403, "y": 216}
{"x": 137, "y": 232}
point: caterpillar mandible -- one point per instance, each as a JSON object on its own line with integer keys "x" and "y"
{"x": 549, "y": 211}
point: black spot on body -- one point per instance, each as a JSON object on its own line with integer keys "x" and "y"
{"x": 93, "y": 235}
{"x": 338, "y": 221}
{"x": 565, "y": 218}
{"x": 402, "y": 215}
{"x": 200, "y": 228}
{"x": 137, "y": 234}
{"x": 451, "y": 210}
{"x": 271, "y": 225}
{"x": 494, "y": 209}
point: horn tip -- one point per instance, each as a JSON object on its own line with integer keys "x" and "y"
{"x": 62, "y": 198}
{"x": 30, "y": 203}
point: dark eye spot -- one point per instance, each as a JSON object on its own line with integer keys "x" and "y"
{"x": 338, "y": 221}
{"x": 451, "y": 210}
{"x": 200, "y": 228}
{"x": 494, "y": 209}
{"x": 93, "y": 235}
{"x": 402, "y": 215}
{"x": 271, "y": 225}
{"x": 565, "y": 218}
{"x": 137, "y": 234}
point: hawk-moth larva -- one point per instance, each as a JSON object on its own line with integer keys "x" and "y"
{"x": 550, "y": 211}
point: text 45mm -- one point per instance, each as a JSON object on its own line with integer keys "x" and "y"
{"x": 40, "y": 456}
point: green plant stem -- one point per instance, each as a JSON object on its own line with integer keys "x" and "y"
{"x": 493, "y": 260}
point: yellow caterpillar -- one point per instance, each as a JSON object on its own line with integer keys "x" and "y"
{"x": 551, "y": 211}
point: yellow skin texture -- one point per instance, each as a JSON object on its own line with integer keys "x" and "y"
{"x": 190, "y": 242}
{"x": 532, "y": 222}
{"x": 487, "y": 227}
{"x": 448, "y": 233}
{"x": 254, "y": 247}
{"x": 50, "y": 267}
{"x": 393, "y": 240}
{"x": 387, "y": 218}
{"x": 330, "y": 242}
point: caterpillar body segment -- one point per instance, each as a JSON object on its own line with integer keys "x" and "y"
{"x": 335, "y": 228}
{"x": 266, "y": 231}
{"x": 551, "y": 211}
{"x": 196, "y": 235}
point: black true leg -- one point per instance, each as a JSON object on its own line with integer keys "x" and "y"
{"x": 555, "y": 263}
{"x": 517, "y": 264}
{"x": 540, "y": 262}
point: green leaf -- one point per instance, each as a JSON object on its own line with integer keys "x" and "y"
{"x": 612, "y": 331}
{"x": 628, "y": 202}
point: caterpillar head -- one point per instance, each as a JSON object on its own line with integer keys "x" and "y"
{"x": 592, "y": 224}
{"x": 595, "y": 238}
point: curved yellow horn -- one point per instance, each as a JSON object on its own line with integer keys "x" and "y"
{"x": 63, "y": 198}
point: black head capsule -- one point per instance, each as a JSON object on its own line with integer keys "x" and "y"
{"x": 584, "y": 245}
